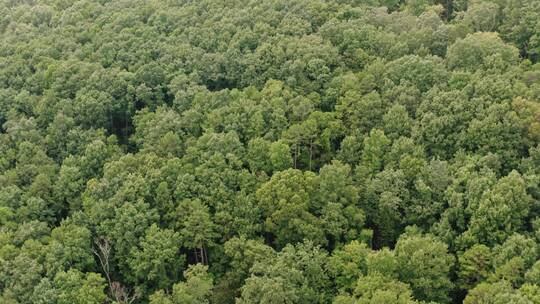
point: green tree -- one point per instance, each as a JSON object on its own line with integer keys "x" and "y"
{"x": 157, "y": 263}
{"x": 372, "y": 160}
{"x": 338, "y": 197}
{"x": 531, "y": 292}
{"x": 70, "y": 248}
{"x": 482, "y": 16}
{"x": 501, "y": 211}
{"x": 474, "y": 266}
{"x": 197, "y": 231}
{"x": 78, "y": 288}
{"x": 259, "y": 155}
{"x": 348, "y": 264}
{"x": 125, "y": 230}
{"x": 197, "y": 287}
{"x": 287, "y": 209}
{"x": 532, "y": 276}
{"x": 425, "y": 264}
{"x": 382, "y": 262}
{"x": 296, "y": 275}
{"x": 500, "y": 292}
{"x": 376, "y": 288}
{"x": 241, "y": 255}
{"x": 280, "y": 156}
{"x": 481, "y": 51}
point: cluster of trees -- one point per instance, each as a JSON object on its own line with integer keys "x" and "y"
{"x": 269, "y": 152}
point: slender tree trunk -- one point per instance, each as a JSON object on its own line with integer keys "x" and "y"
{"x": 201, "y": 251}
{"x": 310, "y": 153}
{"x": 125, "y": 124}
{"x": 201, "y": 255}
{"x": 295, "y": 154}
{"x": 205, "y": 255}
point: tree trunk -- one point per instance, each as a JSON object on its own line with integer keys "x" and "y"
{"x": 196, "y": 255}
{"x": 295, "y": 154}
{"x": 310, "y": 153}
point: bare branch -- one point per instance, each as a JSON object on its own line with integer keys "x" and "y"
{"x": 117, "y": 291}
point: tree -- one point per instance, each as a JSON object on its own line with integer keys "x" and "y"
{"x": 500, "y": 292}
{"x": 338, "y": 198}
{"x": 481, "y": 51}
{"x": 417, "y": 7}
{"x": 518, "y": 24}
{"x": 258, "y": 155}
{"x": 501, "y": 211}
{"x": 374, "y": 147}
{"x": 296, "y": 275}
{"x": 532, "y": 276}
{"x": 512, "y": 258}
{"x": 382, "y": 262}
{"x": 385, "y": 197}
{"x": 69, "y": 249}
{"x": 396, "y": 122}
{"x": 361, "y": 112}
{"x": 280, "y": 156}
{"x": 94, "y": 108}
{"x": 423, "y": 73}
{"x": 19, "y": 276}
{"x": 474, "y": 266}
{"x": 282, "y": 147}
{"x": 124, "y": 232}
{"x": 164, "y": 202}
{"x": 196, "y": 289}
{"x": 286, "y": 206}
{"x": 376, "y": 288}
{"x": 196, "y": 228}
{"x": 241, "y": 254}
{"x": 157, "y": 263}
{"x": 531, "y": 292}
{"x": 153, "y": 130}
{"x": 348, "y": 264}
{"x": 482, "y": 16}
{"x": 425, "y": 264}
{"x": 78, "y": 288}
{"x": 516, "y": 245}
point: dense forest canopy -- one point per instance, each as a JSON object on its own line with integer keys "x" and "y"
{"x": 269, "y": 152}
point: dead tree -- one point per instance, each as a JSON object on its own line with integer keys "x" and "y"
{"x": 117, "y": 291}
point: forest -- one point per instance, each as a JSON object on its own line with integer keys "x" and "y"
{"x": 269, "y": 152}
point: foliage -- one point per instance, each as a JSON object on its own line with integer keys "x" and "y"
{"x": 280, "y": 151}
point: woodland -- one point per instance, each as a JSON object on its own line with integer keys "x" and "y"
{"x": 270, "y": 152}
